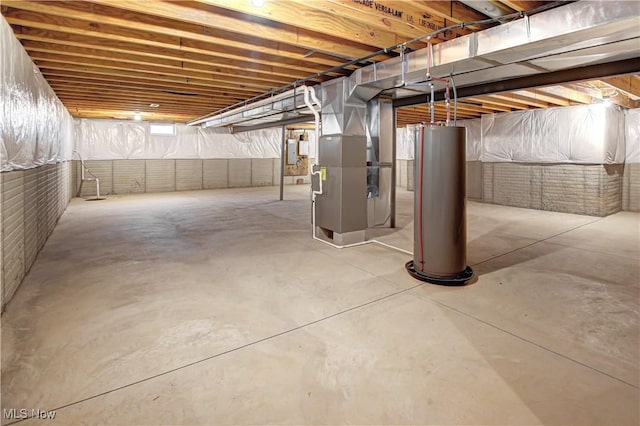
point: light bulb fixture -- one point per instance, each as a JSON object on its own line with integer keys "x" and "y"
{"x": 606, "y": 102}
{"x": 154, "y": 105}
{"x": 257, "y": 3}
{"x": 137, "y": 116}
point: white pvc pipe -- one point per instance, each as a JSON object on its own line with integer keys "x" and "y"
{"x": 361, "y": 243}
{"x": 316, "y": 115}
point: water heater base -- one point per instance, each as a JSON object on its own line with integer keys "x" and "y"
{"x": 456, "y": 280}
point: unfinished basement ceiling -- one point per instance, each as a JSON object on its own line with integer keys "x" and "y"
{"x": 176, "y": 61}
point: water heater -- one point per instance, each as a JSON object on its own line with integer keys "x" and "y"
{"x": 440, "y": 232}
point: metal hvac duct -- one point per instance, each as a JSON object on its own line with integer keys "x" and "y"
{"x": 440, "y": 224}
{"x": 575, "y": 35}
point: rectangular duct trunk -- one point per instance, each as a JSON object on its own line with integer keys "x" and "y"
{"x": 380, "y": 129}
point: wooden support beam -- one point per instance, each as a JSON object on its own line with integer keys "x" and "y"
{"x": 452, "y": 11}
{"x": 250, "y": 82}
{"x": 132, "y": 106}
{"x": 165, "y": 78}
{"x": 148, "y": 98}
{"x": 209, "y": 16}
{"x": 181, "y": 88}
{"x": 205, "y": 64}
{"x": 184, "y": 92}
{"x": 82, "y": 85}
{"x": 62, "y": 41}
{"x": 629, "y": 84}
{"x": 489, "y": 102}
{"x": 615, "y": 95}
{"x": 95, "y": 13}
{"x": 401, "y": 17}
{"x": 316, "y": 20}
{"x": 521, "y": 5}
{"x": 569, "y": 93}
{"x": 33, "y": 20}
{"x": 476, "y": 109}
{"x": 105, "y": 113}
{"x": 521, "y": 100}
{"x": 544, "y": 97}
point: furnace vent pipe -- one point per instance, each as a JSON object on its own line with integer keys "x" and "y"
{"x": 311, "y": 92}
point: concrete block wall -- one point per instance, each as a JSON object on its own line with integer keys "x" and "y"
{"x": 474, "y": 180}
{"x": 188, "y": 175}
{"x": 32, "y": 202}
{"x": 404, "y": 174}
{"x": 160, "y": 176}
{"x": 131, "y": 176}
{"x": 612, "y": 183}
{"x": 13, "y": 267}
{"x": 103, "y": 170}
{"x": 215, "y": 174}
{"x": 594, "y": 190}
{"x": 631, "y": 188}
{"x": 239, "y": 173}
{"x": 401, "y": 173}
{"x": 262, "y": 172}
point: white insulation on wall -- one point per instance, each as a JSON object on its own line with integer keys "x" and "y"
{"x": 35, "y": 127}
{"x": 583, "y": 134}
{"x": 578, "y": 134}
{"x": 405, "y": 142}
{"x": 474, "y": 138}
{"x": 117, "y": 139}
{"x": 632, "y": 135}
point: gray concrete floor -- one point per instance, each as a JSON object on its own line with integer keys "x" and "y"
{"x": 216, "y": 307}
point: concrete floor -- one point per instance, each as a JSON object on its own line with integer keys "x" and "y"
{"x": 216, "y": 307}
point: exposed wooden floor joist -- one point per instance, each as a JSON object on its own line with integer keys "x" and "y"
{"x": 194, "y": 57}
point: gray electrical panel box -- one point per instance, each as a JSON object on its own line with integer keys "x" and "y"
{"x": 292, "y": 151}
{"x": 343, "y": 205}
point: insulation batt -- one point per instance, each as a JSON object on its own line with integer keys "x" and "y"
{"x": 583, "y": 134}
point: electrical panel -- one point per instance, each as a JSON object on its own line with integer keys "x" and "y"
{"x": 297, "y": 154}
{"x": 292, "y": 151}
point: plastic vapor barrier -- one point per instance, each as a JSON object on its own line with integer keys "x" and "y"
{"x": 578, "y": 134}
{"x": 587, "y": 134}
{"x": 406, "y": 139}
{"x": 632, "y": 135}
{"x": 583, "y": 134}
{"x": 406, "y": 142}
{"x": 117, "y": 139}
{"x": 35, "y": 127}
{"x": 474, "y": 138}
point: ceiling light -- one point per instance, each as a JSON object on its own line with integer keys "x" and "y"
{"x": 257, "y": 3}
{"x": 606, "y": 102}
{"x": 137, "y": 116}
{"x": 154, "y": 105}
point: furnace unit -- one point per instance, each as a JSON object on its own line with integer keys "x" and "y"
{"x": 341, "y": 210}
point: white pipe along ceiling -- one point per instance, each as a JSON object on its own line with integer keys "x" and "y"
{"x": 571, "y": 36}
